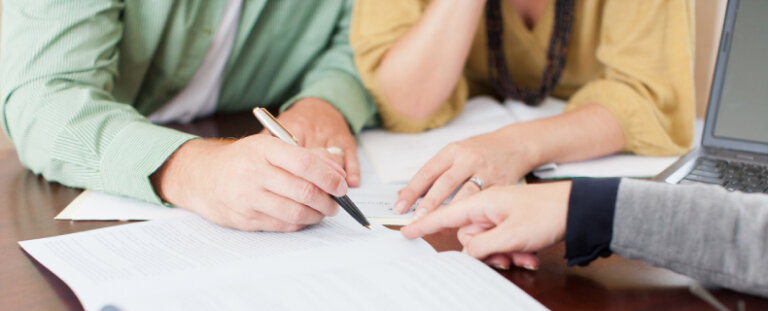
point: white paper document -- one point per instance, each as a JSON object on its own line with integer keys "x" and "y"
{"x": 92, "y": 205}
{"x": 396, "y": 157}
{"x": 375, "y": 198}
{"x": 617, "y": 165}
{"x": 187, "y": 263}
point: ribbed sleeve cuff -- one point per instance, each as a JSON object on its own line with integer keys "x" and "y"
{"x": 136, "y": 152}
{"x": 343, "y": 92}
{"x": 589, "y": 227}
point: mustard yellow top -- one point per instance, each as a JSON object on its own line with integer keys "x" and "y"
{"x": 633, "y": 57}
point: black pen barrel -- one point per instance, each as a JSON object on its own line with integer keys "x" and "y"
{"x": 352, "y": 210}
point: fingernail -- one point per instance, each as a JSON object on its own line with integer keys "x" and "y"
{"x": 500, "y": 267}
{"x": 530, "y": 267}
{"x": 401, "y": 206}
{"x": 354, "y": 180}
{"x": 421, "y": 212}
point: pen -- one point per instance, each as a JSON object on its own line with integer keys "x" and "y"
{"x": 273, "y": 126}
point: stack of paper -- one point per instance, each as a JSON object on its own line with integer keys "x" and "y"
{"x": 187, "y": 263}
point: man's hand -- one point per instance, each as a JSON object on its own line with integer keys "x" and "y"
{"x": 317, "y": 124}
{"x": 257, "y": 183}
{"x": 503, "y": 224}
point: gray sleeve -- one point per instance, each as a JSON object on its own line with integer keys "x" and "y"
{"x": 705, "y": 232}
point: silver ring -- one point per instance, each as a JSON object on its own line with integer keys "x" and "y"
{"x": 335, "y": 150}
{"x": 478, "y": 181}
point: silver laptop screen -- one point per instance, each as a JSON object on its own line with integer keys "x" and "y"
{"x": 743, "y": 112}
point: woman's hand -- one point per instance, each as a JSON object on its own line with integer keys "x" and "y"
{"x": 496, "y": 158}
{"x": 317, "y": 124}
{"x": 504, "y": 156}
{"x": 503, "y": 224}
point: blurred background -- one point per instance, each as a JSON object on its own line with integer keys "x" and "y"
{"x": 709, "y": 14}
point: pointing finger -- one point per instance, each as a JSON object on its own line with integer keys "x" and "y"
{"x": 451, "y": 216}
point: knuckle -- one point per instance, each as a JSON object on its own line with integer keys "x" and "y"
{"x": 307, "y": 192}
{"x": 428, "y": 203}
{"x": 473, "y": 158}
{"x": 452, "y": 148}
{"x": 461, "y": 146}
{"x": 304, "y": 162}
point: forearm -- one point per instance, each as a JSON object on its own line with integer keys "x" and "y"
{"x": 423, "y": 67}
{"x": 583, "y": 133}
{"x": 80, "y": 137}
{"x": 701, "y": 231}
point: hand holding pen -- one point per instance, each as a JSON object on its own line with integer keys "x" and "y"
{"x": 256, "y": 183}
{"x": 274, "y": 127}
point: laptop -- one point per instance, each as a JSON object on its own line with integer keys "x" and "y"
{"x": 734, "y": 145}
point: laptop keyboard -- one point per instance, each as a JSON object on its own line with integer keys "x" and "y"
{"x": 734, "y": 176}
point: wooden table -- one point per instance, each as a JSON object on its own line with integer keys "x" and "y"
{"x": 28, "y": 204}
